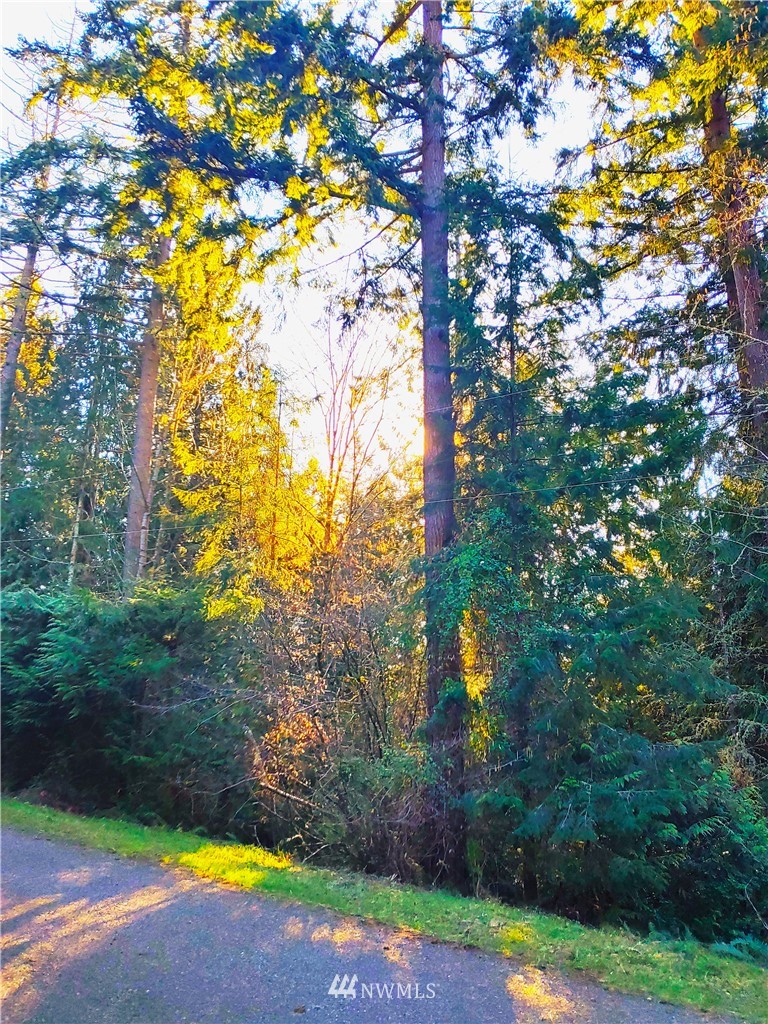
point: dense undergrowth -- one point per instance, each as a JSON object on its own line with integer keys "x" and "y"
{"x": 149, "y": 708}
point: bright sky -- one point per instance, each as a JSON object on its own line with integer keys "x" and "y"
{"x": 292, "y": 323}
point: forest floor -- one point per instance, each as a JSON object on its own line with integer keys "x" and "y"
{"x": 95, "y": 939}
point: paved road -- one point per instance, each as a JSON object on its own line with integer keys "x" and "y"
{"x": 94, "y": 939}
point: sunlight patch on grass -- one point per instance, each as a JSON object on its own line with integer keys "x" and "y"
{"x": 512, "y": 938}
{"x": 220, "y": 856}
{"x": 244, "y": 866}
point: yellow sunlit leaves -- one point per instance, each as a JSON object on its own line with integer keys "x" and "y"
{"x": 295, "y": 188}
{"x": 398, "y": 23}
{"x": 317, "y": 132}
{"x": 476, "y": 678}
{"x": 309, "y": 84}
{"x": 234, "y": 601}
{"x": 631, "y": 565}
{"x": 464, "y": 10}
{"x": 257, "y": 522}
{"x": 37, "y": 357}
{"x": 304, "y": 226}
{"x": 171, "y": 89}
{"x": 249, "y": 40}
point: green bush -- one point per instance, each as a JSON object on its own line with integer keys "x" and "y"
{"x": 133, "y": 704}
{"x": 655, "y": 835}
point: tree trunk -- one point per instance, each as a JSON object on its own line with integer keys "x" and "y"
{"x": 445, "y": 723}
{"x": 273, "y": 525}
{"x": 86, "y": 497}
{"x": 140, "y": 491}
{"x": 439, "y": 446}
{"x": 743, "y": 282}
{"x": 82, "y": 510}
{"x": 16, "y": 335}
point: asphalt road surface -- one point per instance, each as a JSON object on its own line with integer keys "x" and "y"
{"x": 91, "y": 938}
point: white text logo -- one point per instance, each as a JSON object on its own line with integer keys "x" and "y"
{"x": 344, "y": 986}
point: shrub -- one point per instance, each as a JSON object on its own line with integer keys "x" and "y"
{"x": 135, "y": 704}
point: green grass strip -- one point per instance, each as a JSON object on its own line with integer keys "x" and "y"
{"x": 686, "y": 973}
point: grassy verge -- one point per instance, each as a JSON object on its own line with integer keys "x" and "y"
{"x": 686, "y": 973}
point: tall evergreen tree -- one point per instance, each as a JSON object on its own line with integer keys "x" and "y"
{"x": 675, "y": 177}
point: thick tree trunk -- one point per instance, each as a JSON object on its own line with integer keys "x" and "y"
{"x": 439, "y": 445}
{"x": 16, "y": 336}
{"x": 446, "y": 723}
{"x": 744, "y": 285}
{"x": 140, "y": 490}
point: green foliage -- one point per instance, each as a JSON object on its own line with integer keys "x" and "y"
{"x": 590, "y": 789}
{"x": 134, "y": 703}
